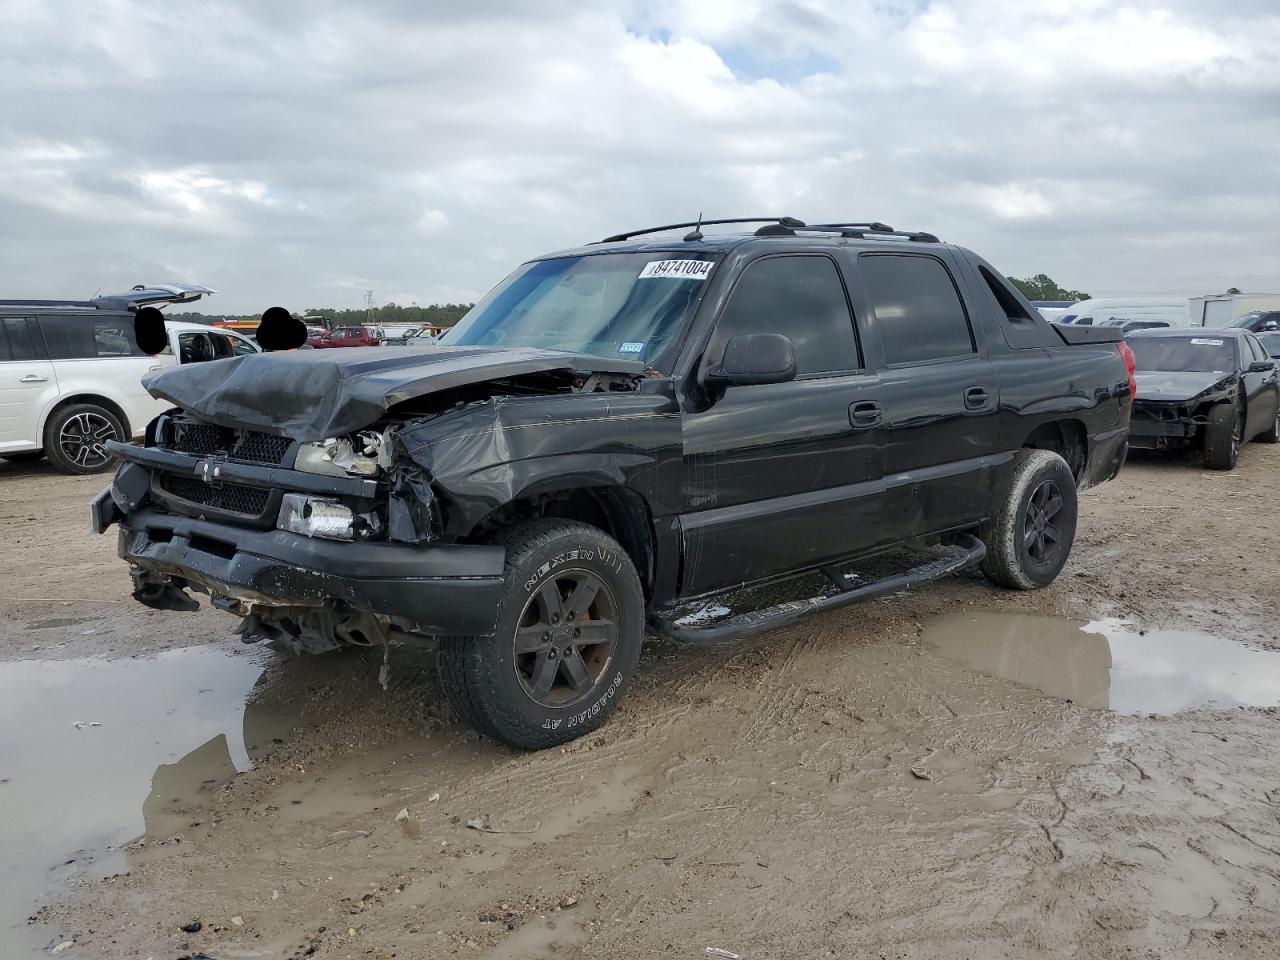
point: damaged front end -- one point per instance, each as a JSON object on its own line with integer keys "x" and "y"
{"x": 323, "y": 523}
{"x": 315, "y": 544}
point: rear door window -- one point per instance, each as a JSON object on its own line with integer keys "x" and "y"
{"x": 20, "y": 339}
{"x": 917, "y": 307}
{"x": 800, "y": 297}
{"x": 72, "y": 337}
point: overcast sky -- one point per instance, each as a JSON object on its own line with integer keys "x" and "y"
{"x": 300, "y": 154}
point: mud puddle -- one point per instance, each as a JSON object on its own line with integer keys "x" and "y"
{"x": 1111, "y": 664}
{"x": 97, "y": 753}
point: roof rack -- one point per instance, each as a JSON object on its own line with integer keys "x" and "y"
{"x": 787, "y": 227}
{"x": 790, "y": 222}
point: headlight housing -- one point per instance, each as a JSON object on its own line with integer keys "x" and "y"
{"x": 316, "y": 517}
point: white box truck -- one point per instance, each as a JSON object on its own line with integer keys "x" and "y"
{"x": 1219, "y": 309}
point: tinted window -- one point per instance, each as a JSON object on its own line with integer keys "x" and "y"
{"x": 71, "y": 337}
{"x": 917, "y": 308}
{"x": 1258, "y": 352}
{"x": 19, "y": 340}
{"x": 801, "y": 298}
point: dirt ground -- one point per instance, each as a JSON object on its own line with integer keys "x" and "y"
{"x": 833, "y": 789}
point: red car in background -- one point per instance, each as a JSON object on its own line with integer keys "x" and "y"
{"x": 347, "y": 337}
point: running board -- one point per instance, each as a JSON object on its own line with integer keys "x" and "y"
{"x": 754, "y": 622}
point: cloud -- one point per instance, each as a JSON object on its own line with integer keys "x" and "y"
{"x": 306, "y": 153}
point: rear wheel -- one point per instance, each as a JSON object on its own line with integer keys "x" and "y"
{"x": 1029, "y": 539}
{"x": 75, "y": 438}
{"x": 569, "y": 630}
{"x": 1222, "y": 437}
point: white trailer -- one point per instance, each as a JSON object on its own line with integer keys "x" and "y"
{"x": 1219, "y": 309}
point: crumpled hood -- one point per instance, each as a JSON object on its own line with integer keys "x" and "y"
{"x": 1168, "y": 386}
{"x": 315, "y": 394}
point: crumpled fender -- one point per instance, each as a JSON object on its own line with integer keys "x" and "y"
{"x": 490, "y": 453}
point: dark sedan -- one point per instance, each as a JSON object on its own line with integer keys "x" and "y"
{"x": 1206, "y": 389}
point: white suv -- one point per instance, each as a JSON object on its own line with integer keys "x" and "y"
{"x": 71, "y": 373}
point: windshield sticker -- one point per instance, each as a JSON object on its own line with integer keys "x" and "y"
{"x": 1202, "y": 342}
{"x": 632, "y": 346}
{"x": 677, "y": 270}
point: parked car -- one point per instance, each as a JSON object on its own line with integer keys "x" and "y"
{"x": 71, "y": 375}
{"x": 1130, "y": 326}
{"x": 1052, "y": 309}
{"x": 197, "y": 343}
{"x": 1172, "y": 310}
{"x": 616, "y": 430}
{"x": 1270, "y": 343}
{"x": 1206, "y": 389}
{"x": 347, "y": 337}
{"x": 1258, "y": 321}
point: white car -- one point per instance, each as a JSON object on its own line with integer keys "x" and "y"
{"x": 71, "y": 374}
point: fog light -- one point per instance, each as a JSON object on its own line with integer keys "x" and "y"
{"x": 316, "y": 517}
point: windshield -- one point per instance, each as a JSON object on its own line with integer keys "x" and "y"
{"x": 626, "y": 305}
{"x": 1191, "y": 354}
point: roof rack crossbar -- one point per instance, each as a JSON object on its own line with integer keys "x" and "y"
{"x": 791, "y": 222}
{"x": 860, "y": 231}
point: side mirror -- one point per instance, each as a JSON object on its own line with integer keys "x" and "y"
{"x": 753, "y": 358}
{"x": 1261, "y": 366}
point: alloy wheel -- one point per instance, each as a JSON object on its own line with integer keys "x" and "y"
{"x": 1040, "y": 533}
{"x": 566, "y": 638}
{"x": 83, "y": 438}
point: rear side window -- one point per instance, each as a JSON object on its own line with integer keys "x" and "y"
{"x": 918, "y": 308}
{"x": 71, "y": 337}
{"x": 1020, "y": 328}
{"x": 20, "y": 340}
{"x": 800, "y": 297}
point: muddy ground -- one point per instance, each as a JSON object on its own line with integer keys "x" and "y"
{"x": 834, "y": 789}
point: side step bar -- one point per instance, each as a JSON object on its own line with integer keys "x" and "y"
{"x": 972, "y": 551}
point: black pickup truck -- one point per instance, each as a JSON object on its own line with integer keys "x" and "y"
{"x": 614, "y": 431}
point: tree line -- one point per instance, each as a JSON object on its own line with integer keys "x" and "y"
{"x": 436, "y": 314}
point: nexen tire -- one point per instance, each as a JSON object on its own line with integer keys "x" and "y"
{"x": 496, "y": 684}
{"x": 1013, "y": 534}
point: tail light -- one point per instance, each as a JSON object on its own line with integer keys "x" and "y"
{"x": 1130, "y": 364}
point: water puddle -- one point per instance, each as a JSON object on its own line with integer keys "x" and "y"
{"x": 96, "y": 753}
{"x": 1110, "y": 664}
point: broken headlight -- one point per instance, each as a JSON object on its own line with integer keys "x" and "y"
{"x": 316, "y": 517}
{"x": 354, "y": 456}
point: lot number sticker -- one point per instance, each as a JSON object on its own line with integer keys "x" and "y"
{"x": 1202, "y": 342}
{"x": 677, "y": 270}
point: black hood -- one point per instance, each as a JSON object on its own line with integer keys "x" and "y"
{"x": 316, "y": 394}
{"x": 1167, "y": 386}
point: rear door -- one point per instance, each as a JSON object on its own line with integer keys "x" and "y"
{"x": 777, "y": 477}
{"x": 1260, "y": 388}
{"x": 939, "y": 391}
{"x": 27, "y": 383}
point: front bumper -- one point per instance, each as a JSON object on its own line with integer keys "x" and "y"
{"x": 1157, "y": 426}
{"x": 444, "y": 590}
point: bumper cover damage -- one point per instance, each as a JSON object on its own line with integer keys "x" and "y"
{"x": 275, "y": 576}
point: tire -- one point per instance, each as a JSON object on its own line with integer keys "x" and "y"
{"x": 534, "y": 684}
{"x": 74, "y": 434}
{"x": 26, "y": 456}
{"x": 1029, "y": 539}
{"x": 1223, "y": 436}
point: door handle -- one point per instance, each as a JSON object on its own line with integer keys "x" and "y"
{"x": 976, "y": 398}
{"x": 864, "y": 414}
{"x": 33, "y": 378}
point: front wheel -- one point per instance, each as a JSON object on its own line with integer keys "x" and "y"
{"x": 1222, "y": 436}
{"x": 569, "y": 629}
{"x": 1029, "y": 539}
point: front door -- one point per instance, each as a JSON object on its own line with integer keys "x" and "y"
{"x": 778, "y": 477}
{"x": 1259, "y": 388}
{"x": 27, "y": 383}
{"x": 941, "y": 400}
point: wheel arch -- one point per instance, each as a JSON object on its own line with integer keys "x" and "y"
{"x": 96, "y": 399}
{"x": 621, "y": 512}
{"x": 1066, "y": 437}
